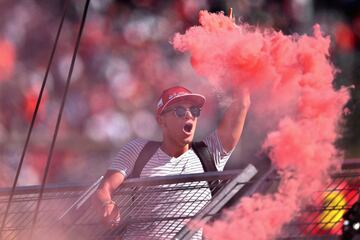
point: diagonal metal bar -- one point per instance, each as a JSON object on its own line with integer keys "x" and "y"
{"x": 84, "y": 197}
{"x": 59, "y": 116}
{"x": 217, "y": 203}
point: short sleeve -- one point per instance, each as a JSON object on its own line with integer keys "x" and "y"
{"x": 217, "y": 150}
{"x": 124, "y": 161}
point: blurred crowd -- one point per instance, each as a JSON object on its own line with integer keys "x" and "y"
{"x": 124, "y": 61}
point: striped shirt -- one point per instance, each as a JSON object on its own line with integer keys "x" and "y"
{"x": 161, "y": 164}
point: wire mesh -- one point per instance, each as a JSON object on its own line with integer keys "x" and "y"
{"x": 161, "y": 207}
{"x": 323, "y": 219}
{"x": 152, "y": 208}
{"x": 22, "y": 209}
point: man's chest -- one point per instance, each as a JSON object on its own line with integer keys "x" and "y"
{"x": 161, "y": 164}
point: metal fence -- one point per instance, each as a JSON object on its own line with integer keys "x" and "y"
{"x": 165, "y": 207}
{"x": 151, "y": 208}
{"x": 324, "y": 219}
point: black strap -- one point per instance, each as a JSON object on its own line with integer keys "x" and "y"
{"x": 206, "y": 158}
{"x": 200, "y": 149}
{"x": 144, "y": 156}
{"x": 208, "y": 164}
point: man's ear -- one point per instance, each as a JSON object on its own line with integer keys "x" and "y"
{"x": 160, "y": 120}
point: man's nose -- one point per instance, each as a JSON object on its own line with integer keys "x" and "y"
{"x": 188, "y": 114}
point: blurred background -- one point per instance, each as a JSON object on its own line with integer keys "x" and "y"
{"x": 124, "y": 62}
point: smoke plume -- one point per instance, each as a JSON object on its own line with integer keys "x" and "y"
{"x": 291, "y": 79}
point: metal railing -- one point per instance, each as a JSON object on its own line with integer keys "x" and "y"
{"x": 151, "y": 208}
{"x": 165, "y": 207}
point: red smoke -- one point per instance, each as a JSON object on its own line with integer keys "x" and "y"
{"x": 290, "y": 78}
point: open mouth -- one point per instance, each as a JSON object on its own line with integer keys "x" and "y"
{"x": 188, "y": 127}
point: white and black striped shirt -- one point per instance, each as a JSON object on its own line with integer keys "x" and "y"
{"x": 161, "y": 164}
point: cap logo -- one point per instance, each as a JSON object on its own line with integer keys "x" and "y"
{"x": 160, "y": 103}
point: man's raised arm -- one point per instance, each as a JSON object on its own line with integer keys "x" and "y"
{"x": 232, "y": 122}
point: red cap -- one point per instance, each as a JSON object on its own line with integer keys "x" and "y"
{"x": 175, "y": 94}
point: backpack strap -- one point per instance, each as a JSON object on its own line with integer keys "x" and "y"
{"x": 208, "y": 164}
{"x": 200, "y": 149}
{"x": 144, "y": 156}
{"x": 206, "y": 158}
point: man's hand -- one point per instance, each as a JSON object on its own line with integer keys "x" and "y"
{"x": 111, "y": 214}
{"x": 107, "y": 209}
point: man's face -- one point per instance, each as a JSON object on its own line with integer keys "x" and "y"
{"x": 177, "y": 126}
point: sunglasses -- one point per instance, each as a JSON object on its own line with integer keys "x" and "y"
{"x": 180, "y": 111}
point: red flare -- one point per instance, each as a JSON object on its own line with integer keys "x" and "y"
{"x": 291, "y": 75}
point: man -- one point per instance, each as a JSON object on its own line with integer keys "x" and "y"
{"x": 177, "y": 113}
